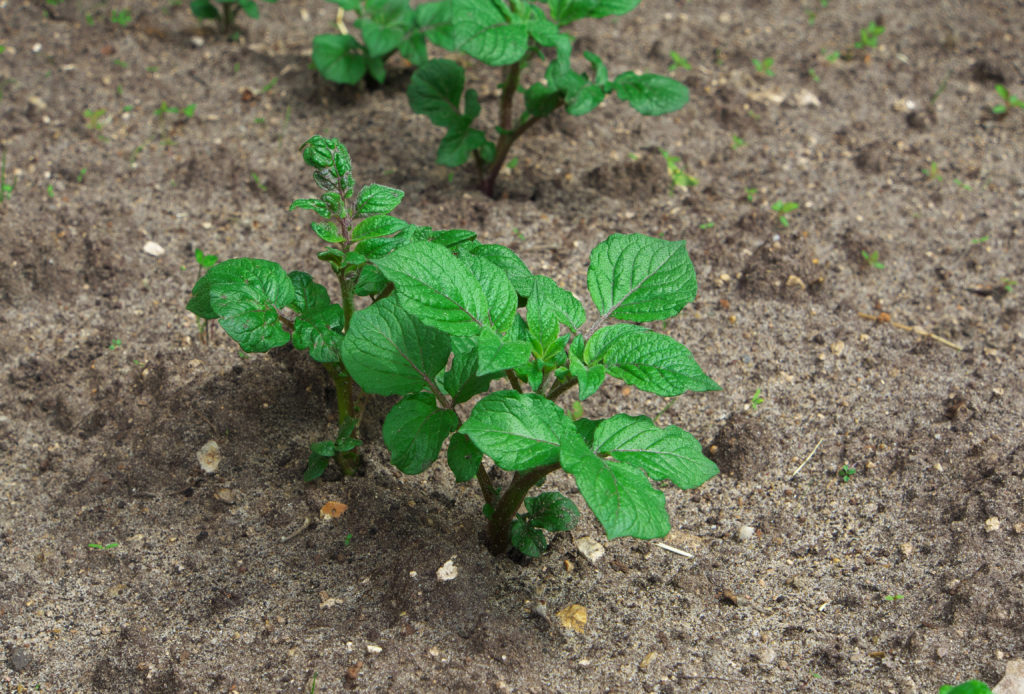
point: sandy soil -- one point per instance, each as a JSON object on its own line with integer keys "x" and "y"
{"x": 901, "y": 575}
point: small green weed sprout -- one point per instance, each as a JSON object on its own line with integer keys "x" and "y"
{"x": 893, "y": 598}
{"x": 846, "y": 472}
{"x": 679, "y": 62}
{"x": 872, "y": 259}
{"x": 680, "y": 179}
{"x": 448, "y": 318}
{"x": 869, "y": 36}
{"x": 6, "y": 189}
{"x": 93, "y": 118}
{"x": 121, "y": 17}
{"x": 968, "y": 687}
{"x": 510, "y": 35}
{"x": 163, "y": 109}
{"x": 781, "y": 208}
{"x": 764, "y": 66}
{"x": 386, "y": 27}
{"x": 225, "y": 16}
{"x": 931, "y": 172}
{"x": 756, "y": 400}
{"x": 1009, "y": 101}
{"x": 97, "y": 545}
{"x": 738, "y": 142}
{"x": 751, "y": 193}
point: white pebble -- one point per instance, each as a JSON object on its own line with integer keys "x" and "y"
{"x": 153, "y": 248}
{"x": 209, "y": 457}
{"x": 745, "y": 533}
{"x": 448, "y": 572}
{"x": 590, "y": 548}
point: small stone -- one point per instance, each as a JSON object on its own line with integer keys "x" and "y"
{"x": 992, "y": 525}
{"x": 590, "y": 548}
{"x": 153, "y": 248}
{"x": 648, "y": 659}
{"x": 448, "y": 572}
{"x": 18, "y": 658}
{"x": 907, "y": 549}
{"x": 794, "y": 281}
{"x": 745, "y": 533}
{"x": 805, "y": 98}
{"x": 373, "y": 648}
{"x": 227, "y": 496}
{"x": 837, "y": 347}
{"x": 573, "y": 617}
{"x": 209, "y": 457}
{"x": 1013, "y": 679}
{"x": 766, "y": 656}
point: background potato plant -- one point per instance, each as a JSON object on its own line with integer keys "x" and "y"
{"x": 480, "y": 350}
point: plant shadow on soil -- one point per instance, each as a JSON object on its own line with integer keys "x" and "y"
{"x": 106, "y": 392}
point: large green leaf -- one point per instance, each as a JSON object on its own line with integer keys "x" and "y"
{"x": 247, "y": 293}
{"x": 203, "y": 9}
{"x": 339, "y": 58}
{"x": 199, "y": 304}
{"x": 648, "y": 360}
{"x": 639, "y": 278}
{"x": 377, "y": 199}
{"x": 389, "y": 352}
{"x": 380, "y": 36}
{"x": 501, "y": 296}
{"x": 518, "y": 431}
{"x": 436, "y": 287}
{"x": 488, "y": 31}
{"x": 619, "y": 494}
{"x": 435, "y": 90}
{"x": 510, "y": 263}
{"x": 665, "y": 454}
{"x": 651, "y": 95}
{"x": 414, "y": 431}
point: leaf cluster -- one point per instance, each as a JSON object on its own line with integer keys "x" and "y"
{"x": 479, "y": 349}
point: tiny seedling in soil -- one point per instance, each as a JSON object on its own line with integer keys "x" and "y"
{"x": 81, "y": 175}
{"x": 869, "y": 36}
{"x": 1009, "y": 101}
{"x": 893, "y": 598}
{"x": 750, "y": 193}
{"x": 511, "y": 34}
{"x": 931, "y": 172}
{"x": 679, "y": 62}
{"x": 480, "y": 351}
{"x": 756, "y": 400}
{"x": 872, "y": 259}
{"x": 256, "y": 182}
{"x": 97, "y": 545}
{"x": 114, "y": 344}
{"x": 738, "y": 142}
{"x": 846, "y": 472}
{"x": 783, "y": 208}
{"x": 225, "y": 16}
{"x": 6, "y": 189}
{"x": 764, "y": 67}
{"x": 163, "y": 109}
{"x": 121, "y": 17}
{"x": 962, "y": 185}
{"x": 980, "y": 240}
{"x": 680, "y": 179}
{"x": 707, "y": 225}
{"x": 92, "y": 118}
{"x": 50, "y": 192}
{"x": 968, "y": 687}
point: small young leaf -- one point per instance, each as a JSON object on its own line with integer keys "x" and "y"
{"x": 665, "y": 454}
{"x": 550, "y": 306}
{"x": 619, "y": 494}
{"x": 552, "y": 511}
{"x": 542, "y": 99}
{"x": 527, "y": 538}
{"x": 318, "y": 206}
{"x": 496, "y": 354}
{"x": 648, "y": 360}
{"x": 377, "y": 199}
{"x": 435, "y": 90}
{"x": 639, "y": 278}
{"x": 246, "y": 293}
{"x": 436, "y": 287}
{"x": 389, "y": 352}
{"x": 590, "y": 378}
{"x": 518, "y": 431}
{"x": 461, "y": 381}
{"x": 320, "y": 331}
{"x": 315, "y": 465}
{"x": 203, "y": 9}
{"x": 327, "y": 231}
{"x": 377, "y": 225}
{"x": 250, "y": 8}
{"x": 199, "y": 304}
{"x": 451, "y": 237}
{"x": 380, "y": 39}
{"x": 464, "y": 458}
{"x": 415, "y": 430}
{"x": 651, "y": 95}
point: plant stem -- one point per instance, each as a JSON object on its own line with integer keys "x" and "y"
{"x": 500, "y": 522}
{"x": 348, "y": 461}
{"x": 558, "y": 388}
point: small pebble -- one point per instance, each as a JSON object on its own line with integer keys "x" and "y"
{"x": 373, "y": 648}
{"x": 448, "y": 572}
{"x": 992, "y": 525}
{"x": 745, "y": 533}
{"x": 209, "y": 457}
{"x": 590, "y": 548}
{"x": 153, "y": 248}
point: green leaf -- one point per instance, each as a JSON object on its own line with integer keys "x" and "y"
{"x": 648, "y": 360}
{"x": 309, "y": 295}
{"x": 451, "y": 237}
{"x": 389, "y": 352}
{"x": 316, "y": 464}
{"x": 435, "y": 18}
{"x": 381, "y": 40}
{"x": 487, "y": 31}
{"x": 518, "y": 431}
{"x": 496, "y": 354}
{"x": 203, "y": 9}
{"x": 435, "y": 90}
{"x": 501, "y": 296}
{"x": 550, "y": 306}
{"x": 664, "y": 454}
{"x": 968, "y": 687}
{"x": 320, "y": 332}
{"x": 542, "y": 99}
{"x": 619, "y": 494}
{"x": 199, "y": 304}
{"x": 327, "y": 231}
{"x": 246, "y": 293}
{"x": 415, "y": 430}
{"x": 510, "y": 263}
{"x": 590, "y": 378}
{"x": 464, "y": 458}
{"x": 461, "y": 381}
{"x": 552, "y": 511}
{"x": 318, "y": 206}
{"x": 378, "y": 225}
{"x": 436, "y": 287}
{"x": 651, "y": 95}
{"x": 370, "y": 281}
{"x": 377, "y": 199}
{"x": 638, "y": 278}
{"x": 339, "y": 58}
{"x": 527, "y": 538}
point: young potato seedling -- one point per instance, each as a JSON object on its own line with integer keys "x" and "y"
{"x": 480, "y": 350}
{"x": 510, "y": 34}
